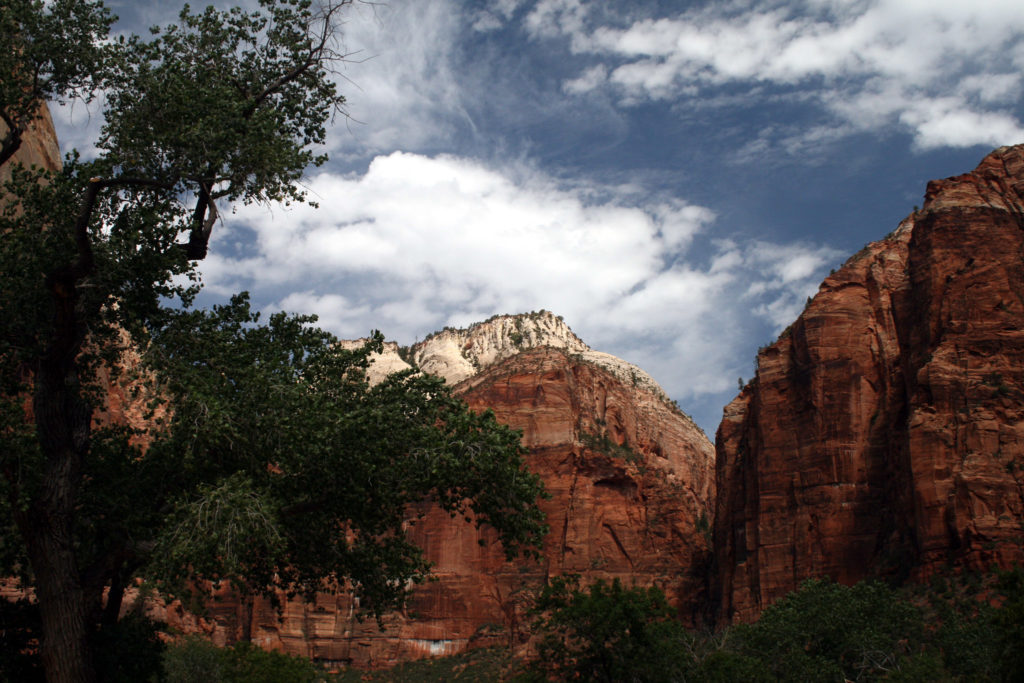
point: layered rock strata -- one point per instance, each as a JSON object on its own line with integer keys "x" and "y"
{"x": 630, "y": 478}
{"x": 884, "y": 430}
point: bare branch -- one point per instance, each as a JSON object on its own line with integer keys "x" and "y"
{"x": 318, "y": 50}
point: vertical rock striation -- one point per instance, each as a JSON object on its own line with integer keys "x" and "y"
{"x": 631, "y": 479}
{"x": 884, "y": 430}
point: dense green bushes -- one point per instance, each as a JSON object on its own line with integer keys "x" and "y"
{"x": 194, "y": 659}
{"x": 608, "y": 633}
{"x": 966, "y": 629}
{"x": 827, "y": 631}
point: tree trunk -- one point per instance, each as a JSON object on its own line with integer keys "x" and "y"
{"x": 115, "y": 598}
{"x": 62, "y": 425}
{"x": 65, "y": 650}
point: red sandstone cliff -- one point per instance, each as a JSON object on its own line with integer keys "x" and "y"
{"x": 631, "y": 480}
{"x": 884, "y": 430}
{"x": 38, "y": 145}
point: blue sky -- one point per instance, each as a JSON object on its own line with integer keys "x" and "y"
{"x": 673, "y": 178}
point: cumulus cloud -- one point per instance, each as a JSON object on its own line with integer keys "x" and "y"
{"x": 947, "y": 72}
{"x": 419, "y": 242}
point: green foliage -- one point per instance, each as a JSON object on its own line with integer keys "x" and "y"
{"x": 276, "y": 465}
{"x": 194, "y": 659}
{"x": 1009, "y": 623}
{"x": 51, "y": 51}
{"x": 727, "y": 666}
{"x": 606, "y": 632}
{"x": 827, "y": 631}
{"x": 602, "y": 443}
{"x": 283, "y": 468}
{"x": 474, "y": 666}
{"x": 248, "y": 133}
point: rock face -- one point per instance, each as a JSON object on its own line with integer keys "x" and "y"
{"x": 884, "y": 430}
{"x": 38, "y": 145}
{"x": 631, "y": 480}
{"x": 457, "y": 354}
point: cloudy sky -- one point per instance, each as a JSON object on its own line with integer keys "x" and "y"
{"x": 674, "y": 178}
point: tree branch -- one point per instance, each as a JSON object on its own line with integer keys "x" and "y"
{"x": 202, "y": 224}
{"x": 84, "y": 264}
{"x": 314, "y": 56}
{"x": 12, "y": 141}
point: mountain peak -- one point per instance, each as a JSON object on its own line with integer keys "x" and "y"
{"x": 457, "y": 354}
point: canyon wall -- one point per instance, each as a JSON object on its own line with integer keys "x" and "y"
{"x": 883, "y": 433}
{"x": 631, "y": 480}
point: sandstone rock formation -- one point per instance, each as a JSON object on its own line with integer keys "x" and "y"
{"x": 631, "y": 480}
{"x": 884, "y": 430}
{"x": 457, "y": 354}
{"x": 38, "y": 145}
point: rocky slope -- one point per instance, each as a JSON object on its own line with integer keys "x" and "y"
{"x": 884, "y": 430}
{"x": 631, "y": 478}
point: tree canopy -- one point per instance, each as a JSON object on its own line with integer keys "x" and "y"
{"x": 268, "y": 460}
{"x": 607, "y": 632}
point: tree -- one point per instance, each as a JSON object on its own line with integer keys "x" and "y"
{"x": 606, "y": 632}
{"x": 825, "y": 631}
{"x": 51, "y": 55}
{"x": 273, "y": 425}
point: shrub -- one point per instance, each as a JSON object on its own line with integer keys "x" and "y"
{"x": 194, "y": 659}
{"x": 829, "y": 632}
{"x": 608, "y": 633}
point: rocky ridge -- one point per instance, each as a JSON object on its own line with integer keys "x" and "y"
{"x": 458, "y": 354}
{"x": 883, "y": 433}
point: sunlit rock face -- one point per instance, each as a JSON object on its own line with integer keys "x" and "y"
{"x": 630, "y": 477}
{"x": 884, "y": 431}
{"x": 38, "y": 146}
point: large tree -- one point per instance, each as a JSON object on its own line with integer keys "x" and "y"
{"x": 275, "y": 466}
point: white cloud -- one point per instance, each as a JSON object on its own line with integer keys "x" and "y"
{"x": 402, "y": 85}
{"x": 551, "y": 18}
{"x": 589, "y": 80}
{"x": 947, "y": 72}
{"x": 420, "y": 242}
{"x": 486, "y": 21}
{"x": 78, "y": 125}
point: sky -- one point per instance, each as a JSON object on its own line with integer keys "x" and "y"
{"x": 673, "y": 178}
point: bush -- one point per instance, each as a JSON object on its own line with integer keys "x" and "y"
{"x": 1009, "y": 622}
{"x": 194, "y": 659}
{"x": 829, "y": 632}
{"x": 609, "y": 633}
